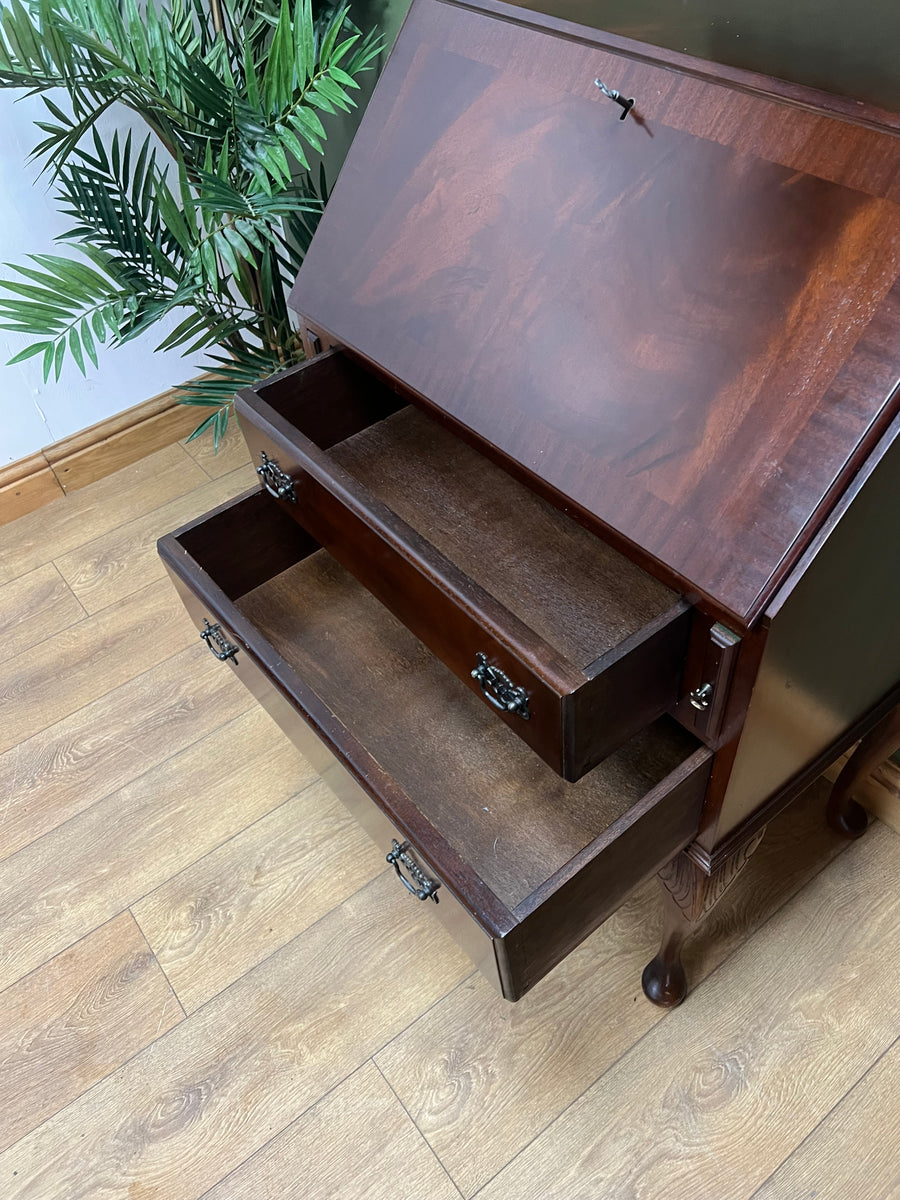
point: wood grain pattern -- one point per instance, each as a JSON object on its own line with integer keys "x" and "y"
{"x": 207, "y": 1102}
{"x": 373, "y": 1151}
{"x": 222, "y": 915}
{"x": 733, "y": 342}
{"x": 117, "y": 563}
{"x": 473, "y": 563}
{"x": 26, "y": 485}
{"x": 771, "y": 1049}
{"x": 481, "y": 1079}
{"x": 120, "y": 440}
{"x": 530, "y": 823}
{"x": 75, "y": 1019}
{"x": 598, "y": 840}
{"x": 67, "y": 767}
{"x": 569, "y": 587}
{"x": 34, "y": 608}
{"x": 856, "y": 1146}
{"x": 149, "y": 830}
{"x": 50, "y": 681}
{"x": 185, "y": 1113}
{"x": 232, "y": 452}
{"x": 73, "y": 520}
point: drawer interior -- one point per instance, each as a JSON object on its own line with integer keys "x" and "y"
{"x": 469, "y": 779}
{"x": 576, "y": 593}
{"x": 534, "y": 863}
{"x": 497, "y": 804}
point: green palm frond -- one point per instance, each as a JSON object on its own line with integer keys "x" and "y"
{"x": 209, "y": 215}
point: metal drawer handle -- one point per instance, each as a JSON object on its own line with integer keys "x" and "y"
{"x": 499, "y": 689}
{"x": 217, "y": 642}
{"x": 421, "y": 886}
{"x": 277, "y": 482}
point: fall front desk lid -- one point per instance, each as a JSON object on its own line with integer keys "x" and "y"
{"x": 683, "y": 326}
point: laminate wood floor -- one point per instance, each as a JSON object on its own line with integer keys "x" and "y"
{"x": 212, "y": 985}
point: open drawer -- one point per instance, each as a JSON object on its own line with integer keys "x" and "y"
{"x": 519, "y": 864}
{"x": 571, "y": 645}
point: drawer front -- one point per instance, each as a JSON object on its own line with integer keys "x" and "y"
{"x": 460, "y": 924}
{"x": 444, "y": 609}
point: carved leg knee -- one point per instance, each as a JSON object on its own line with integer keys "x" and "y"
{"x": 845, "y": 815}
{"x": 688, "y": 895}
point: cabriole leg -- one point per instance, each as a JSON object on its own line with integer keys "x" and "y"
{"x": 688, "y": 895}
{"x": 845, "y": 815}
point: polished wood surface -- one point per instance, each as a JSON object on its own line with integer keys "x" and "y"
{"x": 472, "y": 561}
{"x": 271, "y": 1082}
{"x": 537, "y": 862}
{"x": 682, "y": 326}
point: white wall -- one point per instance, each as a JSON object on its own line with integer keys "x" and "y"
{"x": 32, "y": 414}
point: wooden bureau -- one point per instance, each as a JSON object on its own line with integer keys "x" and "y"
{"x": 570, "y": 562}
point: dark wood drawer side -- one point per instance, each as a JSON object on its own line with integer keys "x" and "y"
{"x": 527, "y": 864}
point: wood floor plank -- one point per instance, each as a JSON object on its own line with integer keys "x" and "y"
{"x": 356, "y": 1144}
{"x": 221, "y": 916}
{"x": 57, "y": 889}
{"x": 481, "y": 1078}
{"x": 194, "y": 1105}
{"x": 123, "y": 560}
{"x": 69, "y": 766}
{"x": 718, "y": 1094}
{"x": 232, "y": 453}
{"x": 26, "y": 485}
{"x": 75, "y": 1019}
{"x": 56, "y": 678}
{"x": 72, "y": 520}
{"x": 35, "y": 607}
{"x": 856, "y": 1149}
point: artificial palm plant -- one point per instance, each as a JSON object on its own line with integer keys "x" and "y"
{"x": 209, "y": 215}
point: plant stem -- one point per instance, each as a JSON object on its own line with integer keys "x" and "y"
{"x": 216, "y": 11}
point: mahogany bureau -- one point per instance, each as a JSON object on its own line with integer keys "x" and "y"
{"x": 570, "y": 562}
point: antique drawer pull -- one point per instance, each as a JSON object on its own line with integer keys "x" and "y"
{"x": 277, "y": 482}
{"x": 420, "y": 886}
{"x": 218, "y": 643}
{"x": 499, "y": 689}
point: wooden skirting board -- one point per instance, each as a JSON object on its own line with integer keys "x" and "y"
{"x": 99, "y": 450}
